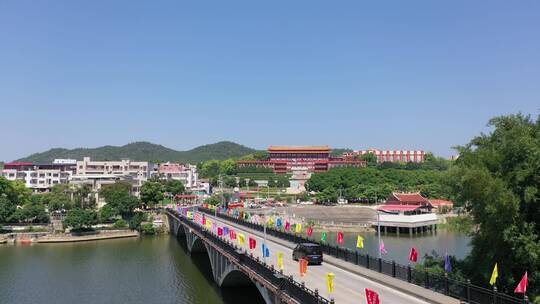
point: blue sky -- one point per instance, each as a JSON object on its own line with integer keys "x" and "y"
{"x": 387, "y": 74}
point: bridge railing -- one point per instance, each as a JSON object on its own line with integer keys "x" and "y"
{"x": 464, "y": 291}
{"x": 286, "y": 284}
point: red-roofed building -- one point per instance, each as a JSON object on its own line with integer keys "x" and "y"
{"x": 285, "y": 159}
{"x": 406, "y": 203}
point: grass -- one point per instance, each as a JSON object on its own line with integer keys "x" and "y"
{"x": 464, "y": 224}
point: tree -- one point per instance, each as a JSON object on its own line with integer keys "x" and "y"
{"x": 213, "y": 200}
{"x": 13, "y": 194}
{"x": 152, "y": 192}
{"x": 497, "y": 177}
{"x": 369, "y": 158}
{"x": 228, "y": 167}
{"x": 107, "y": 213}
{"x": 174, "y": 187}
{"x": 80, "y": 219}
{"x": 118, "y": 196}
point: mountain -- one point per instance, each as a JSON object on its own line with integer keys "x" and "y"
{"x": 145, "y": 151}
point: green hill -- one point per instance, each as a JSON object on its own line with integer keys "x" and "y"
{"x": 145, "y": 151}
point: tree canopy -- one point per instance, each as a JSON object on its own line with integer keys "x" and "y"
{"x": 497, "y": 175}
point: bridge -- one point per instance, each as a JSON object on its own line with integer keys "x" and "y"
{"x": 233, "y": 265}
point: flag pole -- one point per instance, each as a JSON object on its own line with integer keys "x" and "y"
{"x": 379, "y": 232}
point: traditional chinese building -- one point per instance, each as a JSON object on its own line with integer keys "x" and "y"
{"x": 286, "y": 159}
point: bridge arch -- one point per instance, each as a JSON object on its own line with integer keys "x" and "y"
{"x": 232, "y": 277}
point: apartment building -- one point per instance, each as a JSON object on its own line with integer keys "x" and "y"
{"x": 99, "y": 173}
{"x": 38, "y": 177}
{"x": 185, "y": 173}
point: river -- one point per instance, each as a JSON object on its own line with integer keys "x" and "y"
{"x": 138, "y": 270}
{"x": 151, "y": 270}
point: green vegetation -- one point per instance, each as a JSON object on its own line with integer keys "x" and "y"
{"x": 120, "y": 200}
{"x": 80, "y": 219}
{"x": 145, "y": 151}
{"x": 148, "y": 229}
{"x": 17, "y": 204}
{"x": 463, "y": 224}
{"x": 154, "y": 190}
{"x": 497, "y": 176}
{"x": 120, "y": 224}
{"x": 376, "y": 183}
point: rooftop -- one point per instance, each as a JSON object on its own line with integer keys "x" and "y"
{"x": 299, "y": 148}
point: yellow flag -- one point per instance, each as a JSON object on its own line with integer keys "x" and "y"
{"x": 280, "y": 260}
{"x": 241, "y": 239}
{"x": 330, "y": 282}
{"x": 298, "y": 228}
{"x": 494, "y": 275}
{"x": 360, "y": 242}
{"x": 208, "y": 223}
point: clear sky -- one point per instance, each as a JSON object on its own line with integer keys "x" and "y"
{"x": 359, "y": 74}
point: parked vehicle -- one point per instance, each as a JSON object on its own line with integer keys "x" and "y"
{"x": 309, "y": 251}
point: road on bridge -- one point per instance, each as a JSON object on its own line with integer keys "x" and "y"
{"x": 349, "y": 286}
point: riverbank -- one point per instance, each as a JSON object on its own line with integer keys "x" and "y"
{"x": 102, "y": 235}
{"x": 28, "y": 238}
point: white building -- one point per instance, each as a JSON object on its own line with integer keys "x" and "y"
{"x": 39, "y": 178}
{"x": 99, "y": 173}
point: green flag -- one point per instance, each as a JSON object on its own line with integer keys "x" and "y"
{"x": 323, "y": 237}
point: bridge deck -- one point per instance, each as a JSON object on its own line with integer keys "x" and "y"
{"x": 350, "y": 279}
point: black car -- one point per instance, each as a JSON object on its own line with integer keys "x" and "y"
{"x": 309, "y": 251}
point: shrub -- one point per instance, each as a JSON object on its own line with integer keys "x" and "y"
{"x": 120, "y": 224}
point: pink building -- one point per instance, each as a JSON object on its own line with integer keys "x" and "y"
{"x": 185, "y": 173}
{"x": 415, "y": 156}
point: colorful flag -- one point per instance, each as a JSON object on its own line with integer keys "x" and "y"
{"x": 225, "y": 230}
{"x": 279, "y": 223}
{"x": 323, "y": 237}
{"x": 340, "y": 238}
{"x": 522, "y": 286}
{"x": 303, "y": 263}
{"x": 287, "y": 225}
{"x": 494, "y": 275}
{"x": 413, "y": 255}
{"x": 372, "y": 297}
{"x": 241, "y": 239}
{"x": 330, "y": 282}
{"x": 382, "y": 248}
{"x": 298, "y": 228}
{"x": 232, "y": 234}
{"x": 203, "y": 221}
{"x": 189, "y": 214}
{"x": 280, "y": 260}
{"x": 447, "y": 263}
{"x": 252, "y": 243}
{"x": 310, "y": 231}
{"x": 265, "y": 251}
{"x": 220, "y": 231}
{"x": 359, "y": 242}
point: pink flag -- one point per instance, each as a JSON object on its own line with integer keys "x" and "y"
{"x": 382, "y": 249}
{"x": 220, "y": 231}
{"x": 287, "y": 225}
{"x": 522, "y": 286}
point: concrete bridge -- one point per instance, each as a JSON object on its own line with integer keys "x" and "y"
{"x": 232, "y": 267}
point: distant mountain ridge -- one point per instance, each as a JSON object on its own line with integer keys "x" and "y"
{"x": 145, "y": 151}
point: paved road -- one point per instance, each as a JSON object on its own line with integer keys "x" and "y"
{"x": 349, "y": 286}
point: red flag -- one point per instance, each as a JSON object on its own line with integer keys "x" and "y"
{"x": 232, "y": 234}
{"x": 522, "y": 286}
{"x": 220, "y": 231}
{"x": 413, "y": 256}
{"x": 340, "y": 239}
{"x": 310, "y": 231}
{"x": 287, "y": 225}
{"x": 372, "y": 297}
{"x": 252, "y": 243}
